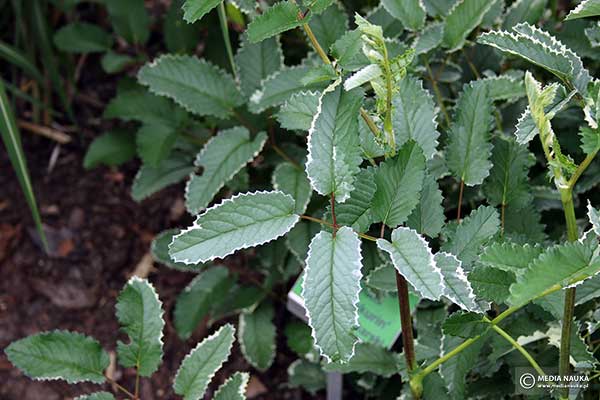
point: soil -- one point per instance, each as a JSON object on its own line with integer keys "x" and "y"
{"x": 98, "y": 235}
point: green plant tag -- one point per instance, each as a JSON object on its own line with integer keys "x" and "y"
{"x": 378, "y": 316}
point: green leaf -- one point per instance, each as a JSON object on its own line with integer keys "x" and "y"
{"x": 18, "y": 58}
{"x": 529, "y": 11}
{"x": 391, "y": 26}
{"x": 243, "y": 221}
{"x": 465, "y": 325}
{"x": 428, "y": 216}
{"x": 200, "y": 298}
{"x": 367, "y": 74}
{"x": 594, "y": 217}
{"x": 333, "y": 152}
{"x": 455, "y": 370}
{"x": 429, "y": 38}
{"x": 194, "y": 10}
{"x": 410, "y": 12}
{"x": 472, "y": 233}
{"x": 279, "y": 87}
{"x": 503, "y": 87}
{"x": 160, "y": 250}
{"x": 413, "y": 259}
{"x": 81, "y": 37}
{"x": 130, "y": 20}
{"x": 356, "y": 211}
{"x": 585, "y": 9}
{"x": 233, "y": 388}
{"x": 491, "y": 284}
{"x": 307, "y": 375}
{"x": 347, "y": 50}
{"x": 113, "y": 63}
{"x": 256, "y": 62}
{"x": 201, "y": 364}
{"x": 154, "y": 143}
{"x": 414, "y": 116}
{"x": 96, "y": 396}
{"x": 510, "y": 257}
{"x": 150, "y": 180}
{"x": 140, "y": 315}
{"x": 456, "y": 285}
{"x": 369, "y": 358}
{"x": 508, "y": 183}
{"x": 111, "y": 148}
{"x": 559, "y": 266}
{"x": 298, "y": 111}
{"x": 223, "y": 156}
{"x": 179, "y": 36}
{"x": 469, "y": 148}
{"x": 464, "y": 16}
{"x": 59, "y": 355}
{"x": 298, "y": 239}
{"x": 298, "y": 337}
{"x": 590, "y": 139}
{"x": 12, "y": 141}
{"x": 194, "y": 84}
{"x": 257, "y": 334}
{"x": 279, "y": 18}
{"x": 330, "y": 292}
{"x": 382, "y": 278}
{"x": 399, "y": 183}
{"x": 292, "y": 180}
{"x": 330, "y": 25}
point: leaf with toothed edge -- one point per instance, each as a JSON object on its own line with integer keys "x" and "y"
{"x": 330, "y": 290}
{"x": 221, "y": 158}
{"x": 140, "y": 315}
{"x": 194, "y": 84}
{"x": 194, "y": 10}
{"x": 257, "y": 61}
{"x": 233, "y": 388}
{"x": 455, "y": 370}
{"x": 594, "y": 217}
{"x": 429, "y": 38}
{"x": 333, "y": 150}
{"x": 59, "y": 355}
{"x": 257, "y": 335}
{"x": 97, "y": 396}
{"x": 510, "y": 257}
{"x": 428, "y": 216}
{"x": 413, "y": 259}
{"x": 243, "y": 221}
{"x": 464, "y": 16}
{"x": 369, "y": 358}
{"x": 585, "y": 9}
{"x": 410, "y": 12}
{"x": 291, "y": 179}
{"x": 465, "y": 325}
{"x": 200, "y": 365}
{"x": 456, "y": 286}
{"x": 298, "y": 111}
{"x": 280, "y": 17}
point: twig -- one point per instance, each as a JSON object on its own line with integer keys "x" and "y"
{"x": 323, "y": 222}
{"x": 460, "y": 199}
{"x": 50, "y": 133}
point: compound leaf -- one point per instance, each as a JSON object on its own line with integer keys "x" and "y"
{"x": 243, "y": 221}
{"x": 330, "y": 291}
{"x": 201, "y": 364}
{"x": 257, "y": 334}
{"x": 413, "y": 259}
{"x": 221, "y": 158}
{"x": 59, "y": 355}
{"x": 140, "y": 315}
{"x": 233, "y": 388}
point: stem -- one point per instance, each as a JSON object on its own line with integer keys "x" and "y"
{"x": 460, "y": 199}
{"x": 334, "y": 220}
{"x": 582, "y": 167}
{"x": 137, "y": 382}
{"x": 502, "y": 218}
{"x": 226, "y": 39}
{"x": 369, "y": 121}
{"x": 280, "y": 151}
{"x": 315, "y": 43}
{"x": 438, "y": 94}
{"x": 323, "y": 222}
{"x": 517, "y": 346}
{"x": 121, "y": 388}
{"x": 408, "y": 343}
{"x": 387, "y": 124}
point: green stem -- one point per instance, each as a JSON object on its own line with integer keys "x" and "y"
{"x": 438, "y": 94}
{"x": 329, "y": 224}
{"x": 517, "y": 346}
{"x": 315, "y": 44}
{"x": 226, "y": 39}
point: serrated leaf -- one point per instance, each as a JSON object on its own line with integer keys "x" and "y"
{"x": 298, "y": 239}
{"x": 150, "y": 180}
{"x": 298, "y": 337}
{"x": 366, "y": 74}
{"x": 529, "y": 11}
{"x": 59, "y": 355}
{"x": 510, "y": 257}
{"x": 233, "y": 388}
{"x": 307, "y": 375}
{"x": 154, "y": 143}
{"x": 469, "y": 148}
{"x": 356, "y": 211}
{"x": 194, "y": 10}
{"x": 243, "y": 221}
{"x": 508, "y": 183}
{"x": 291, "y": 179}
{"x": 279, "y": 18}
{"x": 464, "y": 16}
{"x": 111, "y": 148}
{"x": 81, "y": 37}
{"x": 413, "y": 259}
{"x": 257, "y": 334}
{"x": 298, "y": 111}
{"x": 559, "y": 266}
{"x": 503, "y": 87}
{"x": 140, "y": 315}
{"x": 279, "y": 87}
{"x": 329, "y": 25}
{"x": 473, "y": 232}
{"x": 428, "y": 216}
{"x": 369, "y": 358}
{"x": 524, "y": 225}
{"x": 160, "y": 250}
{"x": 465, "y": 325}
{"x": 455, "y": 370}
{"x": 410, "y": 12}
{"x": 585, "y": 9}
{"x": 221, "y": 158}
{"x": 429, "y": 38}
{"x": 333, "y": 152}
{"x": 414, "y": 116}
{"x": 330, "y": 291}
{"x": 590, "y": 139}
{"x": 194, "y": 84}
{"x": 256, "y": 62}
{"x": 130, "y": 20}
{"x": 456, "y": 285}
{"x": 96, "y": 396}
{"x": 594, "y": 217}
{"x": 382, "y": 278}
{"x": 391, "y": 26}
{"x": 399, "y": 183}
{"x": 204, "y": 293}
{"x": 201, "y": 364}
{"x": 347, "y": 50}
